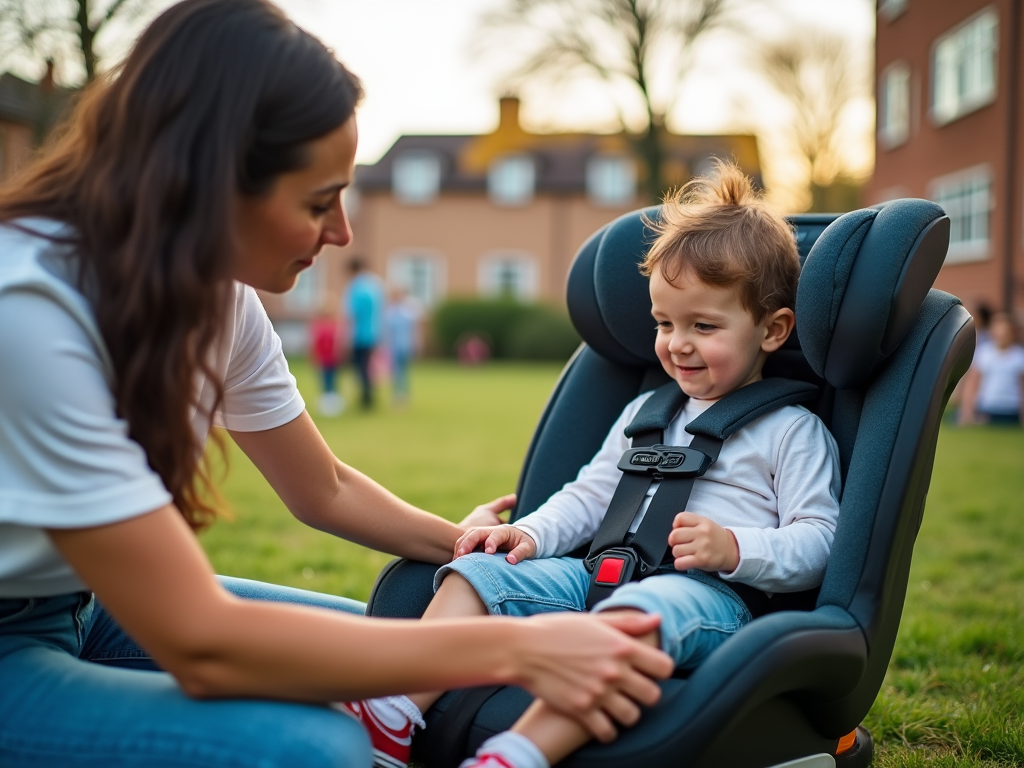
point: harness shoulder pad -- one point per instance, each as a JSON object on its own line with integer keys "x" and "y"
{"x": 739, "y": 408}
{"x": 658, "y": 410}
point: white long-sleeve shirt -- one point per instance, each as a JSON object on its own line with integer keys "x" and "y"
{"x": 775, "y": 485}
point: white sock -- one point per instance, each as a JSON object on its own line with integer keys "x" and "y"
{"x": 517, "y": 750}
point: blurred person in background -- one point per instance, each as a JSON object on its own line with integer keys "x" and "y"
{"x": 326, "y": 351}
{"x": 994, "y": 385}
{"x": 364, "y": 310}
{"x": 401, "y": 326}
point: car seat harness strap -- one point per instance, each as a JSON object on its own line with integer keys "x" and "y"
{"x": 618, "y": 556}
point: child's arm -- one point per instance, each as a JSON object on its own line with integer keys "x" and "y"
{"x": 792, "y": 557}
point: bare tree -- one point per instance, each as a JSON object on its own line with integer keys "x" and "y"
{"x": 644, "y": 45}
{"x": 61, "y": 30}
{"x": 819, "y": 77}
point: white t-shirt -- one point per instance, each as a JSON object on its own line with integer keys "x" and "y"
{"x": 1001, "y": 370}
{"x": 775, "y": 485}
{"x": 66, "y": 460}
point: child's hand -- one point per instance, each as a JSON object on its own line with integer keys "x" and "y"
{"x": 700, "y": 543}
{"x": 488, "y": 514}
{"x": 521, "y": 546}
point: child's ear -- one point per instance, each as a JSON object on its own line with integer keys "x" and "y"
{"x": 778, "y": 326}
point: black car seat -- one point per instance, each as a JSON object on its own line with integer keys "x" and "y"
{"x": 886, "y": 351}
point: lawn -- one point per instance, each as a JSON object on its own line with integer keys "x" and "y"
{"x": 954, "y": 694}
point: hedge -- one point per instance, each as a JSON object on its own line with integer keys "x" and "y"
{"x": 513, "y": 330}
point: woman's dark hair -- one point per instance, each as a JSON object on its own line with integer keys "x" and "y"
{"x": 217, "y": 98}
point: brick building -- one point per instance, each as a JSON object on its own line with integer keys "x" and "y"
{"x": 498, "y": 213}
{"x": 949, "y": 129}
{"x": 27, "y": 113}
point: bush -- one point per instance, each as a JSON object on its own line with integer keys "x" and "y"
{"x": 513, "y": 330}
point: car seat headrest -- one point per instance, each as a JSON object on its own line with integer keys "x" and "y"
{"x": 863, "y": 283}
{"x": 608, "y": 299}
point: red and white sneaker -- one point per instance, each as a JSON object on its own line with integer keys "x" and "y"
{"x": 391, "y": 746}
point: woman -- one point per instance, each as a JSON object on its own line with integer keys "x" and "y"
{"x": 211, "y": 163}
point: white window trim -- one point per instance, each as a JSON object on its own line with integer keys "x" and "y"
{"x": 973, "y": 105}
{"x": 966, "y": 253}
{"x": 489, "y": 258}
{"x": 493, "y": 186}
{"x": 602, "y": 202}
{"x": 415, "y": 155}
{"x": 440, "y": 287}
{"x": 886, "y": 138}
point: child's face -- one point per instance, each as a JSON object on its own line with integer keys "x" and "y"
{"x": 1001, "y": 331}
{"x": 707, "y": 341}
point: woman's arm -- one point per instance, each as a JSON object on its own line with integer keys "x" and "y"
{"x": 153, "y": 577}
{"x": 331, "y": 496}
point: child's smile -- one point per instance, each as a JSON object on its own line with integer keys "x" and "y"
{"x": 707, "y": 340}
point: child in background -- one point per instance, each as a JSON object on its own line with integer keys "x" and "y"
{"x": 401, "y": 328}
{"x": 325, "y": 340}
{"x": 993, "y": 387}
{"x": 723, "y": 274}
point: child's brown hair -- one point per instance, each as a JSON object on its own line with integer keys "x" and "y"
{"x": 719, "y": 228}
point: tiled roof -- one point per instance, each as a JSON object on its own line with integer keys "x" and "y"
{"x": 560, "y": 159}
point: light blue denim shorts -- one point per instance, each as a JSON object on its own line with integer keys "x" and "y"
{"x": 698, "y": 612}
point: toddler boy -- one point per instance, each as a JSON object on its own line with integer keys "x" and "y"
{"x": 723, "y": 273}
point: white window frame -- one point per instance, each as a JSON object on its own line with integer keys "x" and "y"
{"x": 894, "y": 105}
{"x": 968, "y": 198}
{"x": 490, "y": 267}
{"x": 416, "y": 176}
{"x": 965, "y": 67}
{"x": 512, "y": 180}
{"x": 397, "y": 273}
{"x": 602, "y": 189}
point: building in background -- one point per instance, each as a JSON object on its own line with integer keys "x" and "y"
{"x": 949, "y": 97}
{"x": 28, "y": 111}
{"x": 496, "y": 214}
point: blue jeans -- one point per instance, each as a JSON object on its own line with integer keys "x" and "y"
{"x": 698, "y": 612}
{"x": 76, "y": 691}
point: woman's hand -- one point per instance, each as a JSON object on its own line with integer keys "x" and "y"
{"x": 489, "y": 514}
{"x": 698, "y": 542}
{"x": 520, "y": 545}
{"x": 585, "y": 666}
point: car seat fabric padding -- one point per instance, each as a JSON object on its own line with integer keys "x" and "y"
{"x": 853, "y": 305}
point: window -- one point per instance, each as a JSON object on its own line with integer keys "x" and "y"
{"x": 421, "y": 273}
{"x": 894, "y": 106}
{"x": 305, "y": 294}
{"x": 611, "y": 180}
{"x": 416, "y": 176}
{"x": 512, "y": 275}
{"x": 890, "y": 9}
{"x": 511, "y": 180}
{"x": 964, "y": 68}
{"x": 967, "y": 200}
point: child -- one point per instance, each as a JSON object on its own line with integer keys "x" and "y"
{"x": 723, "y": 274}
{"x": 326, "y": 350}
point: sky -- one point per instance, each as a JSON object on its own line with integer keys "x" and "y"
{"x": 417, "y": 63}
{"x": 421, "y": 76}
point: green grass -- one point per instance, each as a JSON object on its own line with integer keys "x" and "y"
{"x": 954, "y": 693}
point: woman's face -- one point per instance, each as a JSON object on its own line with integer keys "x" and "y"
{"x": 281, "y": 232}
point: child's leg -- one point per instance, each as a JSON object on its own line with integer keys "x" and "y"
{"x": 556, "y": 735}
{"x": 698, "y": 614}
{"x": 455, "y": 598}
